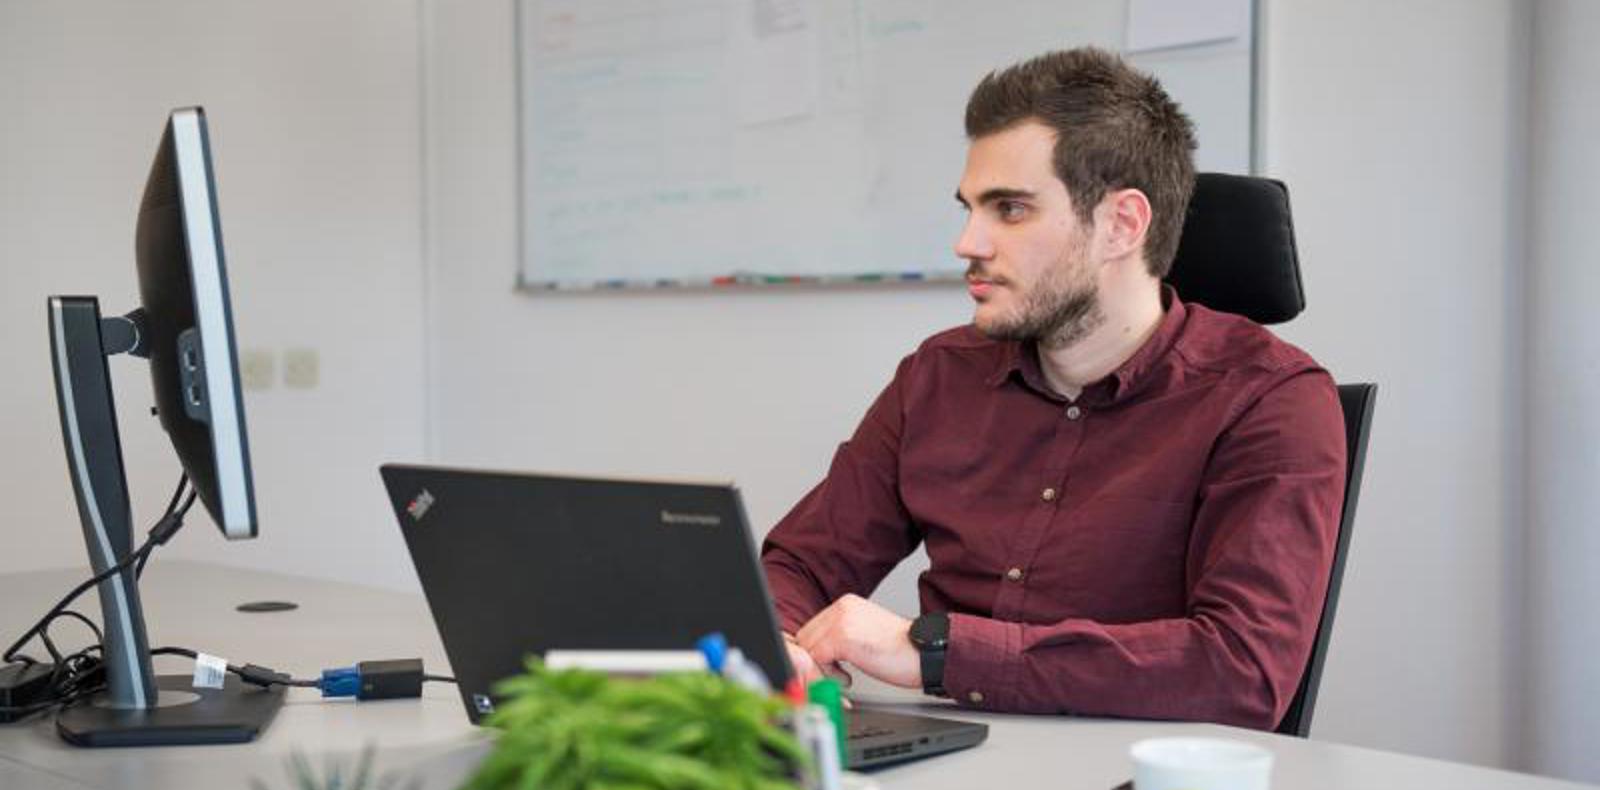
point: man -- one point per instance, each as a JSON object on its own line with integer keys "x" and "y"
{"x": 1129, "y": 503}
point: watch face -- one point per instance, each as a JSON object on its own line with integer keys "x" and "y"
{"x": 930, "y": 631}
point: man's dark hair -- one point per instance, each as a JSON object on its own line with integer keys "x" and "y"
{"x": 1115, "y": 127}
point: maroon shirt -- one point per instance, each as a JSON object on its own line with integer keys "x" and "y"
{"x": 1157, "y": 548}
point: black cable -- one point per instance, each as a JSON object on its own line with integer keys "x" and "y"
{"x": 50, "y": 645}
{"x": 77, "y": 675}
{"x": 60, "y": 608}
{"x": 87, "y": 623}
{"x": 175, "y": 514}
{"x": 173, "y": 520}
{"x": 167, "y": 526}
{"x": 172, "y": 507}
{"x": 24, "y": 658}
{"x": 73, "y": 669}
{"x": 74, "y": 677}
{"x": 249, "y": 673}
{"x": 266, "y": 676}
{"x": 20, "y": 712}
{"x": 177, "y": 493}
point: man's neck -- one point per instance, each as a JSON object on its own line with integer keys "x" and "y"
{"x": 1128, "y": 324}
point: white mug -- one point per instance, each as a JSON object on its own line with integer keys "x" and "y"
{"x": 1199, "y": 764}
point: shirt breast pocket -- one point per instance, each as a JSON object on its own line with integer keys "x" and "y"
{"x": 1122, "y": 559}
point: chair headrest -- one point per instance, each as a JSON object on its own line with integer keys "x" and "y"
{"x": 1237, "y": 250}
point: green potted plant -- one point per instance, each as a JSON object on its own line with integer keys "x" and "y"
{"x": 581, "y": 730}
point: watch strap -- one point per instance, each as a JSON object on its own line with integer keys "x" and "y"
{"x": 931, "y": 635}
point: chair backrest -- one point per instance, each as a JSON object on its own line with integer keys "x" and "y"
{"x": 1357, "y": 401}
{"x": 1237, "y": 254}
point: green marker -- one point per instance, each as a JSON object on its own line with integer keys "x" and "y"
{"x": 826, "y": 692}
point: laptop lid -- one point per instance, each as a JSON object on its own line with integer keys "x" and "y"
{"x": 513, "y": 564}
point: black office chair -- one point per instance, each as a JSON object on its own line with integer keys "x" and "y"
{"x": 1356, "y": 400}
{"x": 1237, "y": 254}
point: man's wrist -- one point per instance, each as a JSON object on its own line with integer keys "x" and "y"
{"x": 930, "y": 633}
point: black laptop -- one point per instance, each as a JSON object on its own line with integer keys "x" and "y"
{"x": 514, "y": 564}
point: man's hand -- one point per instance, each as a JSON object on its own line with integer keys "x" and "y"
{"x": 805, "y": 669}
{"x": 865, "y": 635}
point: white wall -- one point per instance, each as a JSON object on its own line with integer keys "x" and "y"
{"x": 1563, "y": 345}
{"x": 314, "y": 113}
{"x": 1406, "y": 278}
{"x": 1392, "y": 123}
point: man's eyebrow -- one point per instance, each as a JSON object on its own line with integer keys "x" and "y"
{"x": 998, "y": 193}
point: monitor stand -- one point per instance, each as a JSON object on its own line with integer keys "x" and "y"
{"x": 136, "y": 708}
{"x": 182, "y": 714}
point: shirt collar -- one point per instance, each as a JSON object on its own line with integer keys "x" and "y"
{"x": 1009, "y": 362}
{"x": 1021, "y": 358}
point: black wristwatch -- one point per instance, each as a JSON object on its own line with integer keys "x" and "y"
{"x": 931, "y": 634}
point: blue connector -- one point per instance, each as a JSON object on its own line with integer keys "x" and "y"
{"x": 340, "y": 682}
{"x": 714, "y": 647}
{"x": 397, "y": 679}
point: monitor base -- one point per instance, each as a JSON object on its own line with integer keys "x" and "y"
{"x": 184, "y": 715}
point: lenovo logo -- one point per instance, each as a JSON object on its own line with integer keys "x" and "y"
{"x": 419, "y": 507}
{"x": 697, "y": 519}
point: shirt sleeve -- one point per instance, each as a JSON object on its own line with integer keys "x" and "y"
{"x": 852, "y": 528}
{"x": 1259, "y": 556}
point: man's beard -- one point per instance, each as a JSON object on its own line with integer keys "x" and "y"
{"x": 1056, "y": 313}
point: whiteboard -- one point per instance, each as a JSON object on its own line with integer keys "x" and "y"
{"x": 672, "y": 143}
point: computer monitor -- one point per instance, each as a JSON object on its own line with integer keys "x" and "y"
{"x": 183, "y": 285}
{"x": 185, "y": 329}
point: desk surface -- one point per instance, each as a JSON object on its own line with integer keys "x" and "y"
{"x": 430, "y": 742}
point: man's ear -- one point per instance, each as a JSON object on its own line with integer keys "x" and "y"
{"x": 1123, "y": 218}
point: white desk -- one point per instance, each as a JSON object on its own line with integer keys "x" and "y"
{"x": 430, "y": 742}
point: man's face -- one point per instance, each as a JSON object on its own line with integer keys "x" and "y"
{"x": 1029, "y": 263}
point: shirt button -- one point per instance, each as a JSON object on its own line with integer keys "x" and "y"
{"x": 1073, "y": 412}
{"x": 1048, "y": 495}
{"x": 975, "y": 696}
{"x": 1015, "y": 574}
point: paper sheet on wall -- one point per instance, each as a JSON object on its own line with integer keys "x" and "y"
{"x": 775, "y": 46}
{"x": 1169, "y": 24}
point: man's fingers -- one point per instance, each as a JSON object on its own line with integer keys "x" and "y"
{"x": 808, "y": 633}
{"x": 837, "y": 672}
{"x": 805, "y": 667}
{"x": 815, "y": 639}
{"x": 808, "y": 675}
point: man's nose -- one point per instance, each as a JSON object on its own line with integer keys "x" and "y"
{"x": 973, "y": 243}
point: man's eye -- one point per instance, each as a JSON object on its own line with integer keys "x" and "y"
{"x": 1011, "y": 210}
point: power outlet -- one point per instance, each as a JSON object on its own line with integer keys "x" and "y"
{"x": 257, "y": 369}
{"x": 301, "y": 368}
